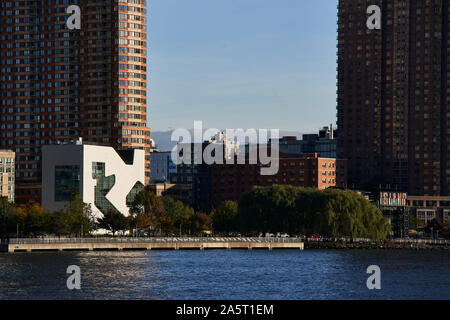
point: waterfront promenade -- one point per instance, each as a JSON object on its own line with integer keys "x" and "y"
{"x": 363, "y": 243}
{"x": 174, "y": 243}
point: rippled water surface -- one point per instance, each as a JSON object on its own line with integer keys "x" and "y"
{"x": 277, "y": 275}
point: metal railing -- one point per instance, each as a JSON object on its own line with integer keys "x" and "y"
{"x": 423, "y": 241}
{"x": 220, "y": 240}
{"x": 371, "y": 241}
{"x": 153, "y": 240}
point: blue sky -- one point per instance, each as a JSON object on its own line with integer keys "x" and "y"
{"x": 242, "y": 64}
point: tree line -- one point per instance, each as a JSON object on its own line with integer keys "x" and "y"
{"x": 32, "y": 220}
{"x": 296, "y": 210}
{"x": 149, "y": 215}
{"x": 165, "y": 216}
{"x": 286, "y": 209}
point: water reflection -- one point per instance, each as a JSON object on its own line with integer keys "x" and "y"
{"x": 226, "y": 275}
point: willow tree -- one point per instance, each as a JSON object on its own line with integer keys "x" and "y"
{"x": 294, "y": 210}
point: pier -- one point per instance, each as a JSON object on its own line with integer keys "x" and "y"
{"x": 180, "y": 243}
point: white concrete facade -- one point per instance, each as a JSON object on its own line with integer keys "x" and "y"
{"x": 84, "y": 156}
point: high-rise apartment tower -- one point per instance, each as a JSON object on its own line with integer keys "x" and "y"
{"x": 393, "y": 95}
{"x": 58, "y": 84}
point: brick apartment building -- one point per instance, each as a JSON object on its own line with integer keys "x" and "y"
{"x": 57, "y": 85}
{"x": 229, "y": 181}
{"x": 393, "y": 96}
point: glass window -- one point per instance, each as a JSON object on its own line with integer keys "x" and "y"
{"x": 67, "y": 182}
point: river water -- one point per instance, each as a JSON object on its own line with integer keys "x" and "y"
{"x": 228, "y": 275}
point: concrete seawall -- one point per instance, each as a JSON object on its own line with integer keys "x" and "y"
{"x": 35, "y": 245}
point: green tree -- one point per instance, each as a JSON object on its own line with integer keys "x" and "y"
{"x": 414, "y": 222}
{"x": 148, "y": 210}
{"x": 434, "y": 228}
{"x": 33, "y": 220}
{"x": 8, "y": 218}
{"x": 80, "y": 219}
{"x": 224, "y": 217}
{"x": 199, "y": 222}
{"x": 252, "y": 213}
{"x": 113, "y": 221}
{"x": 59, "y": 224}
{"x": 178, "y": 215}
{"x": 140, "y": 221}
